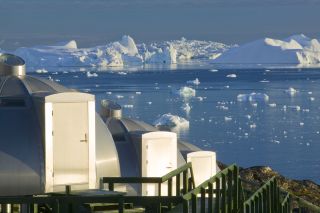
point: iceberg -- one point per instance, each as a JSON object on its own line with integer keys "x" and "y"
{"x": 124, "y": 52}
{"x": 186, "y": 92}
{"x": 297, "y": 49}
{"x": 171, "y": 121}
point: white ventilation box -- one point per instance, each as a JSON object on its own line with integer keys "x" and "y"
{"x": 158, "y": 157}
{"x": 204, "y": 165}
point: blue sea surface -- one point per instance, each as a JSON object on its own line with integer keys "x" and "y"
{"x": 284, "y": 135}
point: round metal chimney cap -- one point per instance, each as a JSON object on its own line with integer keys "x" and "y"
{"x": 12, "y": 65}
{"x": 110, "y": 109}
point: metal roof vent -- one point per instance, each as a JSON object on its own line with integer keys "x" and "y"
{"x": 110, "y": 109}
{"x": 12, "y": 65}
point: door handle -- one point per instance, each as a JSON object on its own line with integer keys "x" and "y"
{"x": 85, "y": 139}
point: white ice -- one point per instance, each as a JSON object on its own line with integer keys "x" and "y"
{"x": 186, "y": 92}
{"x": 171, "y": 121}
{"x": 253, "y": 97}
{"x": 231, "y": 76}
{"x": 296, "y": 49}
{"x": 195, "y": 82}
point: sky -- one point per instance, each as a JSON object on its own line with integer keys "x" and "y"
{"x": 93, "y": 22}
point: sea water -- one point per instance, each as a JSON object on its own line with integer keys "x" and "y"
{"x": 281, "y": 131}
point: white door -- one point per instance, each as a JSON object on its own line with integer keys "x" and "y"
{"x": 160, "y": 154}
{"x": 70, "y": 143}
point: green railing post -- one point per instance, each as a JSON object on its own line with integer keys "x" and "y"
{"x": 203, "y": 200}
{"x": 236, "y": 190}
{"x": 218, "y": 194}
{"x": 170, "y": 192}
{"x": 210, "y": 197}
{"x": 265, "y": 200}
{"x": 223, "y": 194}
{"x": 194, "y": 203}
{"x": 229, "y": 191}
{"x": 178, "y": 185}
{"x": 185, "y": 182}
{"x": 185, "y": 206}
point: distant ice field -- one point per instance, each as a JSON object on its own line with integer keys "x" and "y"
{"x": 249, "y": 116}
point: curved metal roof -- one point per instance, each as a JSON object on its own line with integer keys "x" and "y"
{"x": 24, "y": 86}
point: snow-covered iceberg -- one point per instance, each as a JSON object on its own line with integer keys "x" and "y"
{"x": 171, "y": 121}
{"x": 119, "y": 53}
{"x": 297, "y": 49}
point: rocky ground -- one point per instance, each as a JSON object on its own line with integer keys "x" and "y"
{"x": 254, "y": 177}
{"x": 305, "y": 189}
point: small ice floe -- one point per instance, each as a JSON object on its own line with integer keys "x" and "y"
{"x": 200, "y": 98}
{"x": 91, "y": 75}
{"x": 272, "y": 105}
{"x": 108, "y": 93}
{"x": 301, "y": 124}
{"x": 248, "y": 116}
{"x": 227, "y": 118}
{"x": 253, "y": 97}
{"x": 122, "y": 73}
{"x": 171, "y": 121}
{"x": 254, "y": 104}
{"x": 291, "y": 91}
{"x": 275, "y": 141}
{"x": 267, "y": 70}
{"x": 195, "y": 82}
{"x": 253, "y": 126}
{"x": 128, "y": 106}
{"x": 213, "y": 70}
{"x": 264, "y": 81}
{"x": 186, "y": 107}
{"x": 296, "y": 108}
{"x": 222, "y": 107}
{"x": 119, "y": 96}
{"x": 149, "y": 102}
{"x": 186, "y": 92}
{"x": 309, "y": 93}
{"x": 54, "y": 73}
{"x": 57, "y": 80}
{"x": 231, "y": 76}
{"x": 308, "y": 144}
{"x": 306, "y": 110}
{"x": 41, "y": 71}
{"x": 312, "y": 98}
{"x": 227, "y": 86}
{"x": 138, "y": 93}
{"x": 75, "y": 76}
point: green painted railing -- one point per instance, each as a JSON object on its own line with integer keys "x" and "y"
{"x": 270, "y": 198}
{"x": 185, "y": 172}
{"x": 267, "y": 199}
{"x": 221, "y": 193}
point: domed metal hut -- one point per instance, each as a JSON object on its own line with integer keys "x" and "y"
{"x": 51, "y": 136}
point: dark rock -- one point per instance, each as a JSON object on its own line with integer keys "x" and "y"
{"x": 255, "y": 177}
